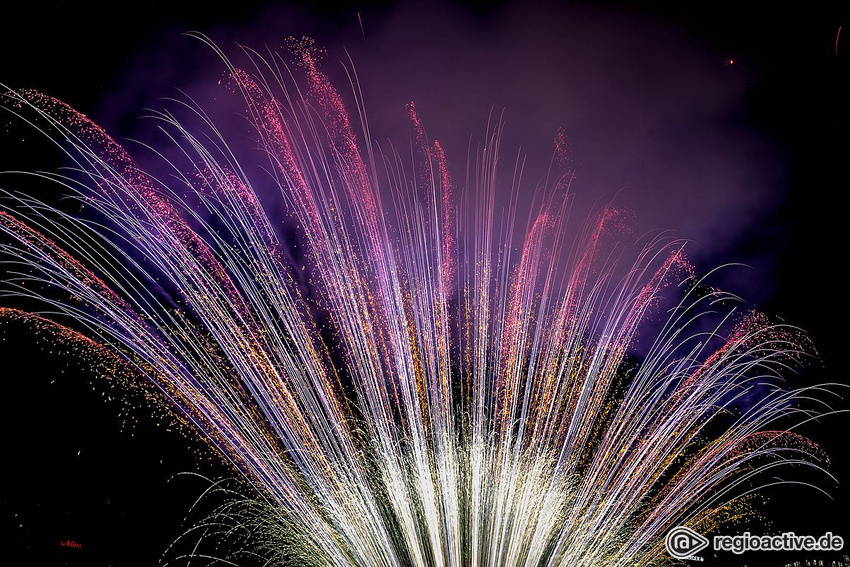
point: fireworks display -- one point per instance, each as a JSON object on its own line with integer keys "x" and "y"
{"x": 406, "y": 374}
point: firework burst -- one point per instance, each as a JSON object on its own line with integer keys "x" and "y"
{"x": 400, "y": 383}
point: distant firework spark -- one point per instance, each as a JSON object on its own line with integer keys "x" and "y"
{"x": 400, "y": 383}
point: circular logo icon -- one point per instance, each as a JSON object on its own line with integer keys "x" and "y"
{"x": 682, "y": 542}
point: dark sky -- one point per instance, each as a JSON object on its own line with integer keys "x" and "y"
{"x": 723, "y": 124}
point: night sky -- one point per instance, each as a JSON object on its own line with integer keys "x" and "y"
{"x": 726, "y": 125}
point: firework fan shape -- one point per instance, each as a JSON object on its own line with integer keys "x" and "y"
{"x": 409, "y": 388}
